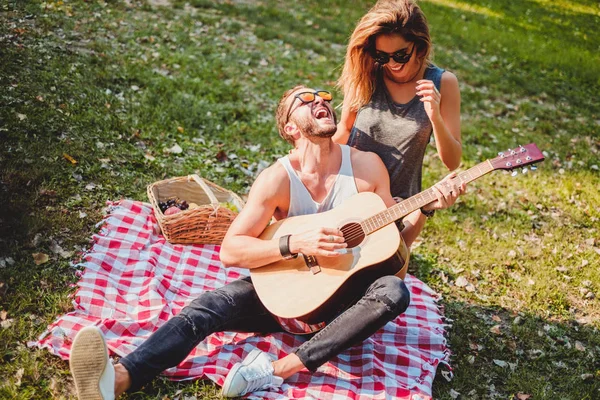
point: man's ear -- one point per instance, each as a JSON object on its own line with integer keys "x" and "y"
{"x": 292, "y": 130}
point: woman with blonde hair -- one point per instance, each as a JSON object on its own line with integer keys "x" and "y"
{"x": 395, "y": 97}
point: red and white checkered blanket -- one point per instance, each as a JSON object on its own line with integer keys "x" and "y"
{"x": 134, "y": 281}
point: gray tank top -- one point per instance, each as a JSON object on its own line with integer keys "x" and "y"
{"x": 397, "y": 133}
{"x": 302, "y": 203}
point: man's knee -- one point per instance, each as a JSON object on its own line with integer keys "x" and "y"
{"x": 393, "y": 292}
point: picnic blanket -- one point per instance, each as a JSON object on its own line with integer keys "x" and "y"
{"x": 133, "y": 281}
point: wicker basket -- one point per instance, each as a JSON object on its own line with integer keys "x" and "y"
{"x": 206, "y": 223}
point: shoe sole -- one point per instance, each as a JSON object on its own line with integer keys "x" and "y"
{"x": 88, "y": 359}
{"x": 249, "y": 358}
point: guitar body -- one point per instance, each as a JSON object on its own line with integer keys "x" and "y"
{"x": 292, "y": 291}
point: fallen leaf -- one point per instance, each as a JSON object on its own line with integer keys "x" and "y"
{"x": 69, "y": 158}
{"x": 496, "y": 329}
{"x": 579, "y": 346}
{"x": 3, "y": 315}
{"x": 40, "y": 258}
{"x": 6, "y": 323}
{"x": 47, "y": 192}
{"x": 461, "y": 281}
{"x": 496, "y": 318}
{"x": 587, "y": 377}
{"x": 149, "y": 157}
{"x": 176, "y": 149}
{"x": 500, "y": 363}
{"x": 6, "y": 261}
{"x": 21, "y": 116}
{"x": 18, "y": 376}
{"x": 180, "y": 129}
{"x": 221, "y": 156}
{"x": 56, "y": 249}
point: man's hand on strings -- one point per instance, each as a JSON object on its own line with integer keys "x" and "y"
{"x": 318, "y": 242}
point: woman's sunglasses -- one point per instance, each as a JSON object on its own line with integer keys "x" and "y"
{"x": 401, "y": 57}
{"x": 309, "y": 97}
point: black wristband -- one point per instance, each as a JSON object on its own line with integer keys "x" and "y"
{"x": 426, "y": 213}
{"x": 284, "y": 248}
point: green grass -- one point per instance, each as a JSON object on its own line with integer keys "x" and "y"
{"x": 111, "y": 84}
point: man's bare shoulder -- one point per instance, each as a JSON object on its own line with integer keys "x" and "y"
{"x": 362, "y": 159}
{"x": 369, "y": 171}
{"x": 272, "y": 179}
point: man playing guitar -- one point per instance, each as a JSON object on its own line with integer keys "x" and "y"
{"x": 316, "y": 176}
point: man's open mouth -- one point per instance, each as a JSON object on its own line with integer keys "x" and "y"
{"x": 321, "y": 113}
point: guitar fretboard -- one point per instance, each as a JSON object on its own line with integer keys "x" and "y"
{"x": 417, "y": 201}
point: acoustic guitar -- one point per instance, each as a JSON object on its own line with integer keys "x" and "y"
{"x": 305, "y": 293}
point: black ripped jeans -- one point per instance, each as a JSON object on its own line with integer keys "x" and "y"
{"x": 236, "y": 307}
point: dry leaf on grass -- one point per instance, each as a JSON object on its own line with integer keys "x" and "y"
{"x": 69, "y": 158}
{"x": 40, "y": 258}
{"x": 18, "y": 376}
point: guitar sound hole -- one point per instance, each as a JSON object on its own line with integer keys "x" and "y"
{"x": 353, "y": 234}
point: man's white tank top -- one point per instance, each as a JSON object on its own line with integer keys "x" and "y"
{"x": 302, "y": 203}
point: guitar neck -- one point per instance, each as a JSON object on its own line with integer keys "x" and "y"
{"x": 405, "y": 207}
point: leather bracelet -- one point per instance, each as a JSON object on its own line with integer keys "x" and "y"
{"x": 284, "y": 248}
{"x": 426, "y": 213}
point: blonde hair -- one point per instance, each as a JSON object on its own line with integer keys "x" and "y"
{"x": 403, "y": 17}
{"x": 281, "y": 113}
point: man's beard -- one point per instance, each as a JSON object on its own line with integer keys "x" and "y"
{"x": 311, "y": 129}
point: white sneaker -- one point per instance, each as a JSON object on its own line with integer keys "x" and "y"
{"x": 91, "y": 368}
{"x": 255, "y": 372}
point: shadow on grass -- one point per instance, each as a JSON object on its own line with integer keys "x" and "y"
{"x": 512, "y": 352}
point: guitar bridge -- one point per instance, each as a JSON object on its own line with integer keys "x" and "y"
{"x": 312, "y": 264}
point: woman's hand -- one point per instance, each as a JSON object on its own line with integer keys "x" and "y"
{"x": 318, "y": 242}
{"x": 431, "y": 98}
{"x": 446, "y": 192}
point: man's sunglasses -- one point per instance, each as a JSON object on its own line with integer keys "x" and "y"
{"x": 401, "y": 57}
{"x": 309, "y": 97}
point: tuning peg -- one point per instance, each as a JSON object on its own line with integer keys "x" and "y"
{"x": 533, "y": 167}
{"x": 525, "y": 169}
{"x": 514, "y": 173}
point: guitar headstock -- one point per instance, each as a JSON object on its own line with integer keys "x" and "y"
{"x": 518, "y": 157}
